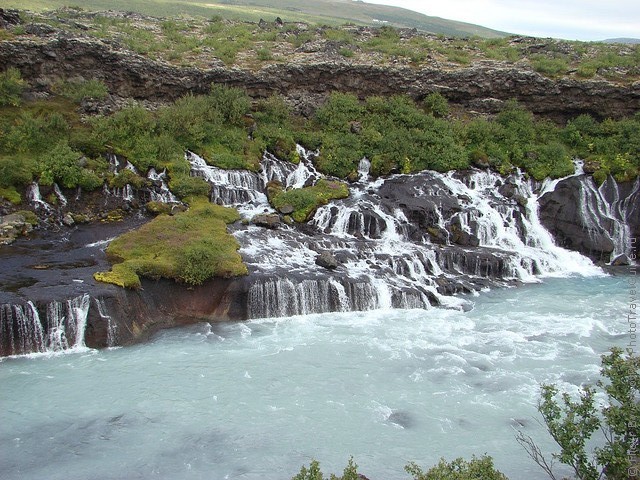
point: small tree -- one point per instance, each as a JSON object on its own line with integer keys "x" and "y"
{"x": 572, "y": 423}
{"x": 350, "y": 472}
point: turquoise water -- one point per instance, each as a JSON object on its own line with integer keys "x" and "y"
{"x": 258, "y": 400}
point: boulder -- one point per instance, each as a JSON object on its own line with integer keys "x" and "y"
{"x": 620, "y": 261}
{"x": 327, "y": 260}
{"x": 68, "y": 220}
{"x": 267, "y": 220}
{"x": 286, "y": 209}
{"x": 9, "y": 18}
{"x": 12, "y": 226}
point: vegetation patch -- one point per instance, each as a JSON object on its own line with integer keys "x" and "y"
{"x": 189, "y": 247}
{"x": 48, "y": 141}
{"x": 305, "y": 201}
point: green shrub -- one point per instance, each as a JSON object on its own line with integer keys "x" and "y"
{"x": 264, "y": 54}
{"x": 185, "y": 186}
{"x": 127, "y": 177}
{"x": 11, "y": 87}
{"x": 16, "y": 170}
{"x": 572, "y": 423}
{"x": 436, "y": 104}
{"x": 551, "y": 67}
{"x": 306, "y": 200}
{"x": 346, "y": 52}
{"x": 459, "y": 469}
{"x": 34, "y": 132}
{"x": 314, "y": 473}
{"x": 60, "y": 165}
{"x": 80, "y": 90}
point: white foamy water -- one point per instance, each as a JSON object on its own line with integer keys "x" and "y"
{"x": 258, "y": 400}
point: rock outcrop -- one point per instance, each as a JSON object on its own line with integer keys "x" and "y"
{"x": 482, "y": 87}
{"x": 593, "y": 221}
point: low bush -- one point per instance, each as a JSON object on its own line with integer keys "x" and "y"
{"x": 459, "y": 469}
{"x": 550, "y": 66}
{"x": 80, "y": 90}
{"x": 11, "y": 87}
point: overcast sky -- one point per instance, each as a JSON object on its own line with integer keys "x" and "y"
{"x": 569, "y": 19}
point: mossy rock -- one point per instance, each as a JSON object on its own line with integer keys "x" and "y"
{"x": 189, "y": 247}
{"x": 157, "y": 208}
{"x": 29, "y": 217}
{"x": 305, "y": 201}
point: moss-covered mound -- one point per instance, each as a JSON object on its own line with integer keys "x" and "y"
{"x": 305, "y": 201}
{"x": 189, "y": 247}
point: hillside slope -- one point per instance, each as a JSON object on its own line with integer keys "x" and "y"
{"x": 331, "y": 12}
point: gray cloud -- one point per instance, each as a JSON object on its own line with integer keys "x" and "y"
{"x": 571, "y": 19}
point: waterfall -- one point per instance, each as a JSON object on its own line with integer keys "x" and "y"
{"x": 619, "y": 210}
{"x": 66, "y": 322}
{"x": 160, "y": 191}
{"x": 61, "y": 198}
{"x": 112, "y": 158}
{"x": 239, "y": 188}
{"x": 22, "y": 331}
{"x": 406, "y": 241}
{"x": 112, "y": 327}
{"x": 35, "y": 198}
{"x": 498, "y": 222}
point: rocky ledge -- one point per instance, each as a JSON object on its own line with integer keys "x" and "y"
{"x": 481, "y": 87}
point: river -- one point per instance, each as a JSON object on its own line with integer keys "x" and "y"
{"x": 257, "y": 400}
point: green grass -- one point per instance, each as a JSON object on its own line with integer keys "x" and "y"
{"x": 306, "y": 200}
{"x": 290, "y": 10}
{"x": 552, "y": 67}
{"x": 189, "y": 247}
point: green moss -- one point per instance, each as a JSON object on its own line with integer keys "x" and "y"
{"x": 29, "y": 216}
{"x": 306, "y": 200}
{"x": 127, "y": 177}
{"x": 188, "y": 247}
{"x": 121, "y": 275}
{"x": 157, "y": 208}
{"x": 11, "y": 194}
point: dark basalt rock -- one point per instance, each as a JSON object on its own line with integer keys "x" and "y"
{"x": 621, "y": 260}
{"x": 480, "y": 87}
{"x": 327, "y": 260}
{"x": 9, "y": 18}
{"x": 575, "y": 225}
{"x": 267, "y": 220}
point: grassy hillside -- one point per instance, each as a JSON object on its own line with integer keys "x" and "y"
{"x": 341, "y": 11}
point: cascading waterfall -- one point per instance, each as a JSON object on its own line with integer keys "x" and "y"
{"x": 161, "y": 193}
{"x": 66, "y": 322}
{"x": 618, "y": 210}
{"x": 22, "y": 331}
{"x": 385, "y": 261}
{"x": 239, "y": 188}
{"x": 35, "y": 198}
{"x": 500, "y": 224}
{"x": 62, "y": 200}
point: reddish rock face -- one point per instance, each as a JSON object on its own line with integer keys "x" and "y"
{"x": 137, "y": 314}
